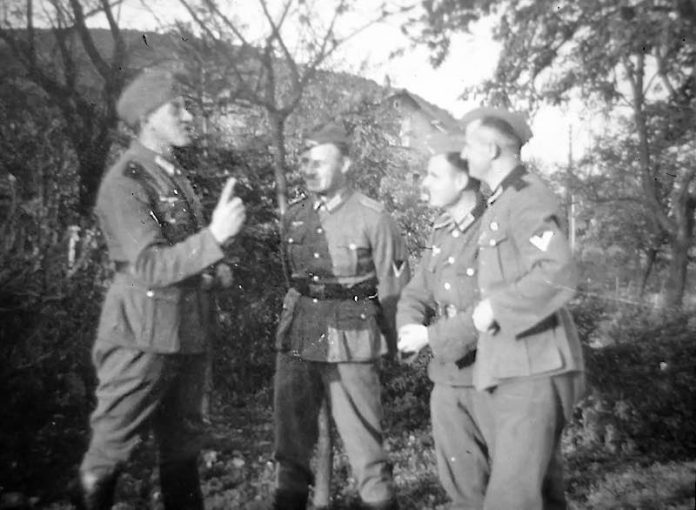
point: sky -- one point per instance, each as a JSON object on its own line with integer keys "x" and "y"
{"x": 471, "y": 60}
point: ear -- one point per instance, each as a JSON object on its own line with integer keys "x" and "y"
{"x": 461, "y": 181}
{"x": 347, "y": 162}
{"x": 496, "y": 150}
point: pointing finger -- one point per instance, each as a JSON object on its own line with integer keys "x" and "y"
{"x": 228, "y": 190}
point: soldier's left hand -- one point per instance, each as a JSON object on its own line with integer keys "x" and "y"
{"x": 483, "y": 316}
{"x": 412, "y": 338}
{"x": 224, "y": 276}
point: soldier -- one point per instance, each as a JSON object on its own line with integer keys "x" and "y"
{"x": 150, "y": 352}
{"x": 347, "y": 265}
{"x": 445, "y": 287}
{"x": 529, "y": 359}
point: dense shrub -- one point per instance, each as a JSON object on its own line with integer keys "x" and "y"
{"x": 642, "y": 385}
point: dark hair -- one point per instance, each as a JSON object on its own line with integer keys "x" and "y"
{"x": 454, "y": 159}
{"x": 504, "y": 128}
{"x": 343, "y": 149}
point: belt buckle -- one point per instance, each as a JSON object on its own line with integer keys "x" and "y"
{"x": 317, "y": 290}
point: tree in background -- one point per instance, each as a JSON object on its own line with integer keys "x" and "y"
{"x": 82, "y": 85}
{"x": 633, "y": 58}
{"x": 272, "y": 65}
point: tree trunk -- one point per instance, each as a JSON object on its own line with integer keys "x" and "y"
{"x": 277, "y": 123}
{"x": 91, "y": 158}
{"x": 676, "y": 277}
{"x": 652, "y": 256}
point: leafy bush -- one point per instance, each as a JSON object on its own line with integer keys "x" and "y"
{"x": 642, "y": 387}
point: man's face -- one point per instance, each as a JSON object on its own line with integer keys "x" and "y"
{"x": 476, "y": 151}
{"x": 443, "y": 182}
{"x": 323, "y": 168}
{"x": 171, "y": 123}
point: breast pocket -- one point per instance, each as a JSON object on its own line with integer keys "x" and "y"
{"x": 494, "y": 257}
{"x": 295, "y": 246}
{"x": 350, "y": 258}
{"x": 467, "y": 284}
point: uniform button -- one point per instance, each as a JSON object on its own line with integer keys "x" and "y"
{"x": 176, "y": 191}
{"x": 470, "y": 271}
{"x": 450, "y": 260}
{"x": 315, "y": 278}
{"x": 316, "y": 255}
{"x": 352, "y": 246}
{"x": 492, "y": 242}
{"x": 363, "y": 316}
{"x": 315, "y": 300}
{"x": 291, "y": 240}
{"x": 447, "y": 286}
{"x": 149, "y": 293}
{"x": 320, "y": 230}
{"x": 455, "y": 234}
{"x": 494, "y": 226}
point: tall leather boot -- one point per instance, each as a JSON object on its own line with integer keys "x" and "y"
{"x": 96, "y": 490}
{"x": 180, "y": 484}
{"x": 282, "y": 500}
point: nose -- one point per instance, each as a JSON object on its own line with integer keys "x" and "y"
{"x": 186, "y": 116}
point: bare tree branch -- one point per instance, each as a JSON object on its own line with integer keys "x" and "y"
{"x": 87, "y": 41}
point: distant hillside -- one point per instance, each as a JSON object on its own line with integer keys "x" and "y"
{"x": 331, "y": 94}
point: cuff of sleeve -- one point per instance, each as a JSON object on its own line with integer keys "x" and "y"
{"x": 212, "y": 251}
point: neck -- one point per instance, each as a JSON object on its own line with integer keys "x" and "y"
{"x": 155, "y": 145}
{"x": 463, "y": 206}
{"x": 329, "y": 194}
{"x": 500, "y": 169}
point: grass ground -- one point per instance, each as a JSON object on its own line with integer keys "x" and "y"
{"x": 237, "y": 467}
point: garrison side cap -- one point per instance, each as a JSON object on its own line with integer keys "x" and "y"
{"x": 516, "y": 120}
{"x": 445, "y": 142}
{"x": 331, "y": 132}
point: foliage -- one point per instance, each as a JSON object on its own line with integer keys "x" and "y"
{"x": 81, "y": 86}
{"x": 630, "y": 58}
{"x": 641, "y": 396}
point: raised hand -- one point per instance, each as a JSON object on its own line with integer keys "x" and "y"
{"x": 229, "y": 214}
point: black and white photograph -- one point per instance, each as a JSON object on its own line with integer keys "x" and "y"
{"x": 348, "y": 254}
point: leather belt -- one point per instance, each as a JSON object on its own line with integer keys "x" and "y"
{"x": 125, "y": 267}
{"x": 323, "y": 291}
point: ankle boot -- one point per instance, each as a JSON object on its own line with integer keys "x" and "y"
{"x": 282, "y": 500}
{"x": 390, "y": 504}
{"x": 181, "y": 488}
{"x": 95, "y": 490}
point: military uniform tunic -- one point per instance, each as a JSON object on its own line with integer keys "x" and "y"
{"x": 152, "y": 335}
{"x": 445, "y": 287}
{"x": 531, "y": 361}
{"x": 347, "y": 265}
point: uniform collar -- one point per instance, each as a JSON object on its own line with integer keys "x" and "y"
{"x": 514, "y": 176}
{"x": 333, "y": 203}
{"x": 461, "y": 222}
{"x": 149, "y": 156}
